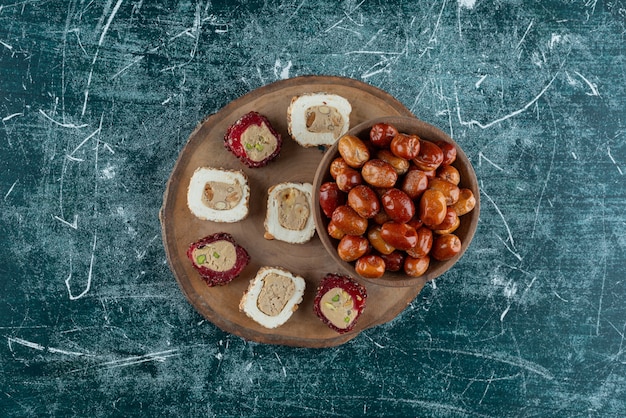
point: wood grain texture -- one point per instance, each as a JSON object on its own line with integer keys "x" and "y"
{"x": 295, "y": 163}
{"x": 97, "y": 100}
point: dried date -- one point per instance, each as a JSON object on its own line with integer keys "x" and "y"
{"x": 352, "y": 247}
{"x": 398, "y": 205}
{"x": 354, "y": 151}
{"x": 432, "y": 207}
{"x": 371, "y": 266}
{"x": 350, "y": 222}
{"x": 330, "y": 198}
{"x": 379, "y": 173}
{"x": 364, "y": 201}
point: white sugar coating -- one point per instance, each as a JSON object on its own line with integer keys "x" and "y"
{"x": 299, "y": 124}
{"x": 288, "y": 293}
{"x": 205, "y": 177}
{"x": 299, "y": 204}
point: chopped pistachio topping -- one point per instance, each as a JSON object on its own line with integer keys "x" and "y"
{"x": 338, "y": 306}
{"x": 258, "y": 142}
{"x": 220, "y": 255}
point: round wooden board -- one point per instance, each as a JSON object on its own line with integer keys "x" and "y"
{"x": 180, "y": 227}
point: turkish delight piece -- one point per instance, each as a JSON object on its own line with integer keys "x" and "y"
{"x": 218, "y": 258}
{"x": 253, "y": 140}
{"x": 339, "y": 302}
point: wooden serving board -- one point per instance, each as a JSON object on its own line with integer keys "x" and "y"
{"x": 180, "y": 227}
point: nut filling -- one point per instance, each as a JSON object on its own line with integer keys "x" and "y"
{"x": 321, "y": 119}
{"x": 217, "y": 255}
{"x": 293, "y": 209}
{"x": 222, "y": 196}
{"x": 259, "y": 142}
{"x": 338, "y": 307}
{"x": 276, "y": 292}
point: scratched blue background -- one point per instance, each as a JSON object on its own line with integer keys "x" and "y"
{"x": 97, "y": 98}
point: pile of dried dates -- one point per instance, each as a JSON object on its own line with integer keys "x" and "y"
{"x": 394, "y": 202}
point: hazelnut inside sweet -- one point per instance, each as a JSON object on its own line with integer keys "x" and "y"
{"x": 293, "y": 209}
{"x": 323, "y": 119}
{"x": 219, "y": 195}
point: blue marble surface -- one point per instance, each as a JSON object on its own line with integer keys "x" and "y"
{"x": 98, "y": 98}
